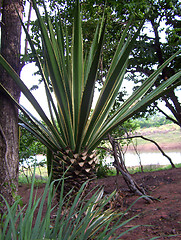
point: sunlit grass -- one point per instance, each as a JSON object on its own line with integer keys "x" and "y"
{"x": 147, "y": 168}
{"x": 26, "y": 175}
{"x": 169, "y": 133}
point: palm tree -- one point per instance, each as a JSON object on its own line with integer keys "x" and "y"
{"x": 73, "y": 131}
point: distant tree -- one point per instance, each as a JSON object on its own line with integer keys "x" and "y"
{"x": 152, "y": 121}
{"x": 163, "y": 19}
{"x": 29, "y": 145}
{"x": 164, "y": 23}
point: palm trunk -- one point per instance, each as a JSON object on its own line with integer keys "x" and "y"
{"x": 76, "y": 168}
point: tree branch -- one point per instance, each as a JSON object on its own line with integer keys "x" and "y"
{"x": 159, "y": 148}
{"x": 167, "y": 116}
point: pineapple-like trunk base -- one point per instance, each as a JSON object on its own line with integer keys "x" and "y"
{"x": 76, "y": 169}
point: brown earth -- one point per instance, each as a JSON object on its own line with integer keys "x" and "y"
{"x": 162, "y": 217}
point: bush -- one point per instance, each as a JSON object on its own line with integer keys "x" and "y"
{"x": 103, "y": 169}
{"x": 153, "y": 121}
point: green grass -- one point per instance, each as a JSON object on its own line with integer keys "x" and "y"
{"x": 23, "y": 180}
{"x": 169, "y": 133}
{"x": 147, "y": 168}
{"x": 73, "y": 218}
{"x": 152, "y": 168}
{"x": 26, "y": 175}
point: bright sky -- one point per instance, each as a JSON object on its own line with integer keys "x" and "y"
{"x": 27, "y": 75}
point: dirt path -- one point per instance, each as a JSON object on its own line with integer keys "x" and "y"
{"x": 163, "y": 217}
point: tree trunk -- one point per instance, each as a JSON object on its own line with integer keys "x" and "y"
{"x": 120, "y": 167}
{"x": 9, "y": 137}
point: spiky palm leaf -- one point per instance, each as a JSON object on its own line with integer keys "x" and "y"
{"x": 72, "y": 132}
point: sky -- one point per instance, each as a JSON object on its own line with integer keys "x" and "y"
{"x": 28, "y": 77}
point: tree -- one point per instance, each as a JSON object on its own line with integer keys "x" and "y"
{"x": 9, "y": 136}
{"x": 29, "y": 148}
{"x": 163, "y": 19}
{"x": 73, "y": 131}
{"x": 146, "y": 52}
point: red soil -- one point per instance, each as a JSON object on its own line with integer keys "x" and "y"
{"x": 161, "y": 217}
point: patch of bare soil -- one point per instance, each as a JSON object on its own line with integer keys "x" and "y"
{"x": 160, "y": 218}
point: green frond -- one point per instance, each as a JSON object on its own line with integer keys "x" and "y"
{"x": 72, "y": 129}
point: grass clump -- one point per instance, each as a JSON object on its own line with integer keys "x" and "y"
{"x": 85, "y": 218}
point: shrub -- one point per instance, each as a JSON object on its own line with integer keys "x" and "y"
{"x": 103, "y": 169}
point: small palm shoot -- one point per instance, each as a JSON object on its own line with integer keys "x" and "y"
{"x": 85, "y": 219}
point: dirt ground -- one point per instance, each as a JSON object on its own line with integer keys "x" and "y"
{"x": 161, "y": 217}
{"x": 164, "y": 216}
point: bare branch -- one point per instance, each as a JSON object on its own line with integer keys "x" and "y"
{"x": 106, "y": 149}
{"x": 159, "y": 148}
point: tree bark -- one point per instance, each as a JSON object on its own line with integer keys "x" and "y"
{"x": 9, "y": 137}
{"x": 120, "y": 167}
